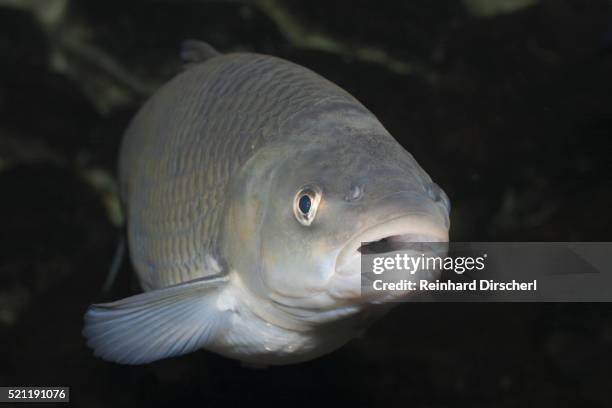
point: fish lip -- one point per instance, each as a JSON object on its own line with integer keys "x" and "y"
{"x": 413, "y": 227}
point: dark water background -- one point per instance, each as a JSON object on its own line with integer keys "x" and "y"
{"x": 510, "y": 112}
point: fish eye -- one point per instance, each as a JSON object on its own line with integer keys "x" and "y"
{"x": 306, "y": 203}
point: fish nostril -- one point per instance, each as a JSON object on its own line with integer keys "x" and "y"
{"x": 438, "y": 195}
{"x": 433, "y": 191}
{"x": 355, "y": 193}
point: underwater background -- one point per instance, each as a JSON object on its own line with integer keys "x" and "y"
{"x": 506, "y": 103}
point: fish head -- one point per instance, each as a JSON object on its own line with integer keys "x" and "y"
{"x": 320, "y": 204}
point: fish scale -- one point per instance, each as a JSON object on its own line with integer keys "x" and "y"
{"x": 175, "y": 182}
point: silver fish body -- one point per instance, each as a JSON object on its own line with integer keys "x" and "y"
{"x": 249, "y": 183}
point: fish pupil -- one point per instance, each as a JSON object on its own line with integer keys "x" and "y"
{"x": 305, "y": 204}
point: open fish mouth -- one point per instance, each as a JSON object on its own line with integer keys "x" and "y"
{"x": 415, "y": 233}
{"x": 384, "y": 245}
{"x": 392, "y": 235}
{"x": 343, "y": 295}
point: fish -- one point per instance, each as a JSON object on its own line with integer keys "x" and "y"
{"x": 250, "y": 186}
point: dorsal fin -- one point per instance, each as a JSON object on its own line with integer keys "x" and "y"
{"x": 195, "y": 52}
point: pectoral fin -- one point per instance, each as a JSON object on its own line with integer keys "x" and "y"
{"x": 157, "y": 324}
